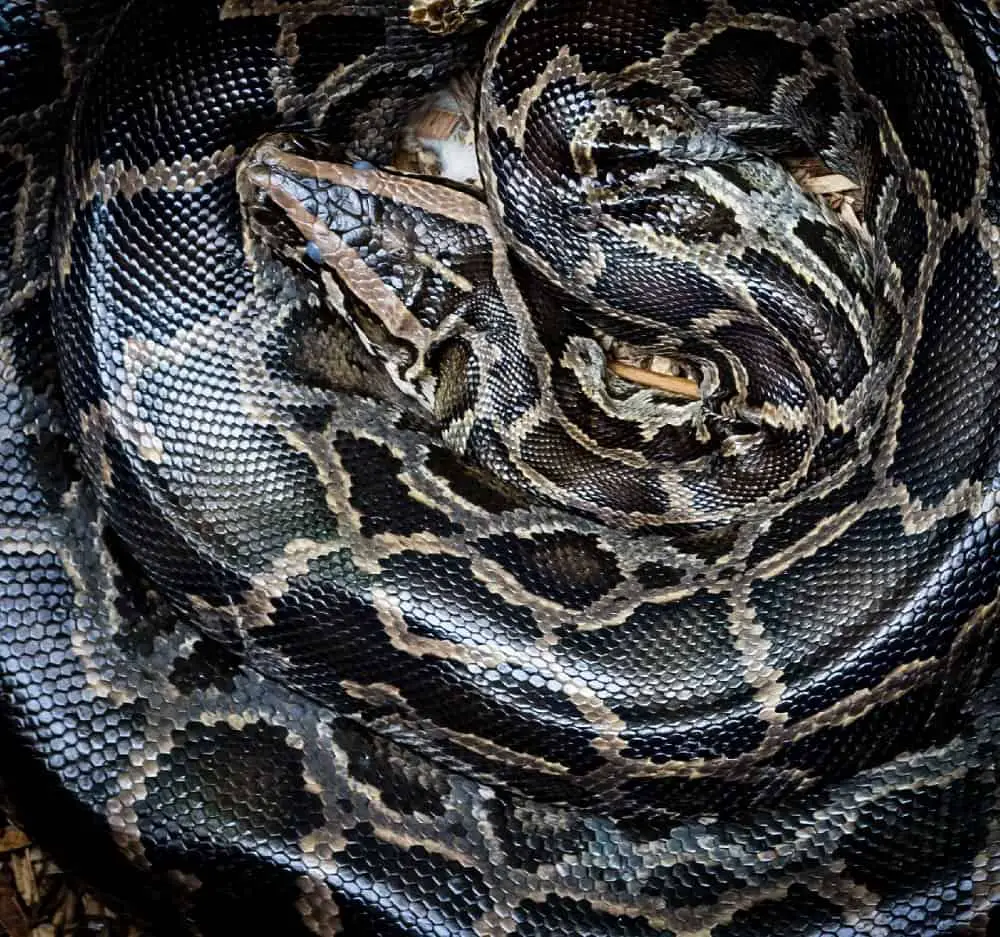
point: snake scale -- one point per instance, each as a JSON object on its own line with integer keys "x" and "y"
{"x": 347, "y": 588}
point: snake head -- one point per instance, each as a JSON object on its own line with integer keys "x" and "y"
{"x": 392, "y": 254}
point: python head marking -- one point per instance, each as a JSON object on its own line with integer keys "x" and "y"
{"x": 386, "y": 250}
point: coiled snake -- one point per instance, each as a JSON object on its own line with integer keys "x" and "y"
{"x": 347, "y": 587}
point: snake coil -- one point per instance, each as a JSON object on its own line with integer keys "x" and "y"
{"x": 346, "y": 587}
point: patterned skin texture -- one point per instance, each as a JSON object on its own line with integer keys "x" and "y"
{"x": 345, "y": 590}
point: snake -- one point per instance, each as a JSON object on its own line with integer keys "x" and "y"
{"x": 349, "y": 583}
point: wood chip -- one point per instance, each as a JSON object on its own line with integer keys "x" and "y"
{"x": 852, "y": 219}
{"x": 827, "y": 185}
{"x": 669, "y": 383}
{"x": 438, "y": 124}
{"x": 11, "y": 839}
{"x": 13, "y": 918}
{"x": 38, "y": 900}
{"x": 841, "y": 192}
{"x": 24, "y": 878}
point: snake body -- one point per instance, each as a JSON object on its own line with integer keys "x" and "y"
{"x": 346, "y": 588}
